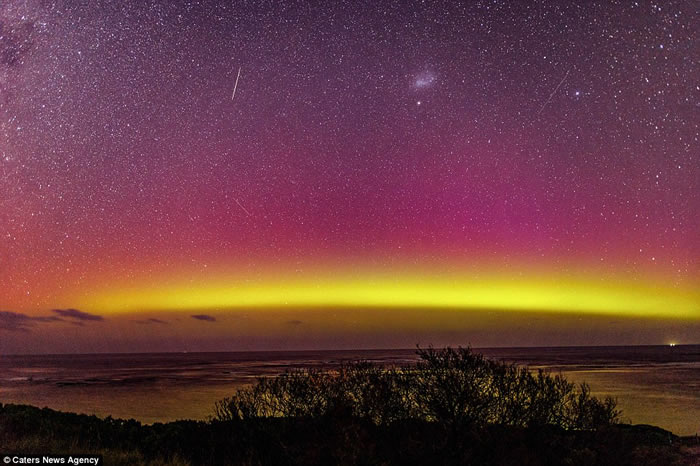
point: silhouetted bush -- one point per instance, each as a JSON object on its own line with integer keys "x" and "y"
{"x": 454, "y": 387}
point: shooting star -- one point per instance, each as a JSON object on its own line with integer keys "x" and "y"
{"x": 244, "y": 209}
{"x": 235, "y": 86}
{"x": 553, "y": 92}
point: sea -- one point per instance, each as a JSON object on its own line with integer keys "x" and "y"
{"x": 658, "y": 385}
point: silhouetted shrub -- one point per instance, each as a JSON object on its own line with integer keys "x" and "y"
{"x": 454, "y": 387}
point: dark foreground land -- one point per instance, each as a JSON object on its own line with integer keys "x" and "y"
{"x": 454, "y": 407}
{"x": 26, "y": 429}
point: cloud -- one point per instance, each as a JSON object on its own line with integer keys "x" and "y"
{"x": 47, "y": 319}
{"x": 15, "y": 322}
{"x": 18, "y": 322}
{"x": 204, "y": 317}
{"x": 151, "y": 321}
{"x": 78, "y": 315}
{"x": 294, "y": 322}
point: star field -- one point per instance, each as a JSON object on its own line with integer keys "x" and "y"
{"x": 530, "y": 138}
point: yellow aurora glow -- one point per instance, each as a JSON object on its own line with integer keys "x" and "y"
{"x": 562, "y": 295}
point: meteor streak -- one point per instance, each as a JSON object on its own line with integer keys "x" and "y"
{"x": 550, "y": 95}
{"x": 235, "y": 86}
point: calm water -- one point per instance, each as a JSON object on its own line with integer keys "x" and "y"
{"x": 653, "y": 384}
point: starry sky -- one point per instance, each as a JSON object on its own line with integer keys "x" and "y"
{"x": 383, "y": 174}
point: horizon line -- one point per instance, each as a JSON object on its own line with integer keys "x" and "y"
{"x": 309, "y": 350}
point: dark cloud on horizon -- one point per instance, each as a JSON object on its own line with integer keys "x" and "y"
{"x": 18, "y": 322}
{"x": 78, "y": 315}
{"x": 15, "y": 322}
{"x": 294, "y": 322}
{"x": 152, "y": 320}
{"x": 204, "y": 317}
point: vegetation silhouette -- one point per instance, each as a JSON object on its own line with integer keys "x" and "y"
{"x": 455, "y": 387}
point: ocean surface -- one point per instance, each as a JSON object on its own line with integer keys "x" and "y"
{"x": 657, "y": 385}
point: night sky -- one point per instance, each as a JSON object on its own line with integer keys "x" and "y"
{"x": 385, "y": 174}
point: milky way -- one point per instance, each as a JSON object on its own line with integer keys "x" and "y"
{"x": 518, "y": 142}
